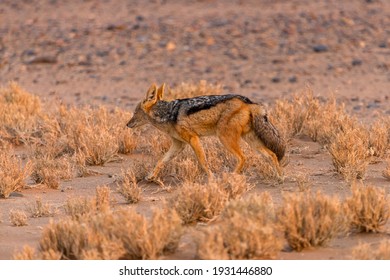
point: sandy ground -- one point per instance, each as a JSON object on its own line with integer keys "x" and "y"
{"x": 109, "y": 52}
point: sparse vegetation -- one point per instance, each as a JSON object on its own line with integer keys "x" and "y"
{"x": 366, "y": 251}
{"x": 12, "y": 173}
{"x": 246, "y": 230}
{"x": 311, "y": 220}
{"x": 369, "y": 208}
{"x": 109, "y": 235}
{"x": 129, "y": 188}
{"x": 199, "y": 203}
{"x": 40, "y": 209}
{"x": 65, "y": 141}
{"x": 18, "y": 218}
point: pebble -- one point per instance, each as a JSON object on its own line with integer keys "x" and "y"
{"x": 320, "y": 48}
{"x": 356, "y": 62}
{"x": 276, "y": 79}
{"x": 293, "y": 79}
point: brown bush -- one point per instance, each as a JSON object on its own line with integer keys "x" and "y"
{"x": 18, "y": 218}
{"x": 49, "y": 171}
{"x": 310, "y": 220}
{"x": 78, "y": 207}
{"x": 386, "y": 172}
{"x": 12, "y": 173}
{"x": 369, "y": 208}
{"x": 199, "y": 203}
{"x": 379, "y": 139}
{"x": 350, "y": 153}
{"x": 246, "y": 230}
{"x": 109, "y": 235}
{"x": 367, "y": 252}
{"x": 103, "y": 198}
{"x": 40, "y": 209}
{"x": 291, "y": 116}
{"x": 19, "y": 114}
{"x": 129, "y": 188}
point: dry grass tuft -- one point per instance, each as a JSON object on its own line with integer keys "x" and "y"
{"x": 49, "y": 171}
{"x": 386, "y": 172}
{"x": 369, "y": 208}
{"x": 78, "y": 207}
{"x": 235, "y": 185}
{"x": 129, "y": 188}
{"x": 19, "y": 114}
{"x": 186, "y": 90}
{"x": 199, "y": 203}
{"x": 350, "y": 153}
{"x": 18, "y": 218}
{"x": 379, "y": 139}
{"x": 109, "y": 235}
{"x": 103, "y": 198}
{"x": 12, "y": 174}
{"x": 367, "y": 252}
{"x": 310, "y": 220}
{"x": 247, "y": 230}
{"x": 40, "y": 209}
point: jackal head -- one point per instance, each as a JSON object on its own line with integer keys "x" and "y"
{"x": 141, "y": 112}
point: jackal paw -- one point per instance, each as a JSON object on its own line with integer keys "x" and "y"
{"x": 153, "y": 179}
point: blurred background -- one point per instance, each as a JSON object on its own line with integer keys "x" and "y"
{"x": 109, "y": 52}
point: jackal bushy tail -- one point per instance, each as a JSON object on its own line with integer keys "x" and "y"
{"x": 269, "y": 135}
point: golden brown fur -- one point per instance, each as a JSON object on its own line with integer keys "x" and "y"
{"x": 229, "y": 117}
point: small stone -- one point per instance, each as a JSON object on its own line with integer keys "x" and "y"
{"x": 356, "y": 62}
{"x": 320, "y": 48}
{"x": 276, "y": 79}
{"x": 293, "y": 79}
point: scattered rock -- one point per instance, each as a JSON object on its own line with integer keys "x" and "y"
{"x": 320, "y": 48}
{"x": 357, "y": 62}
{"x": 276, "y": 79}
{"x": 293, "y": 79}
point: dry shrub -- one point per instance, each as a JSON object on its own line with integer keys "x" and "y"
{"x": 379, "y": 140}
{"x": 40, "y": 209}
{"x": 350, "y": 153}
{"x": 129, "y": 188}
{"x": 12, "y": 173}
{"x": 310, "y": 220}
{"x": 103, "y": 198}
{"x": 186, "y": 90}
{"x": 19, "y": 114}
{"x": 386, "y": 172}
{"x": 107, "y": 235}
{"x": 49, "y": 171}
{"x": 28, "y": 253}
{"x": 247, "y": 230}
{"x": 199, "y": 203}
{"x": 290, "y": 117}
{"x": 235, "y": 185}
{"x": 369, "y": 208}
{"x": 78, "y": 207}
{"x": 367, "y": 252}
{"x": 91, "y": 132}
{"x": 18, "y": 218}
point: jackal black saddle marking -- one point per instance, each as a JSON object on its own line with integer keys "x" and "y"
{"x": 196, "y": 104}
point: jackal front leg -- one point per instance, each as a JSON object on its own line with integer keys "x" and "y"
{"x": 176, "y": 147}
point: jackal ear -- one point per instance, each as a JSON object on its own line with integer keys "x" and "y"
{"x": 160, "y": 92}
{"x": 151, "y": 94}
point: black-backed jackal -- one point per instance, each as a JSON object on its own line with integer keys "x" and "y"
{"x": 230, "y": 117}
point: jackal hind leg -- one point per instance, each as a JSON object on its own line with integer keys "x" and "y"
{"x": 269, "y": 155}
{"x": 175, "y": 148}
{"x": 231, "y": 141}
